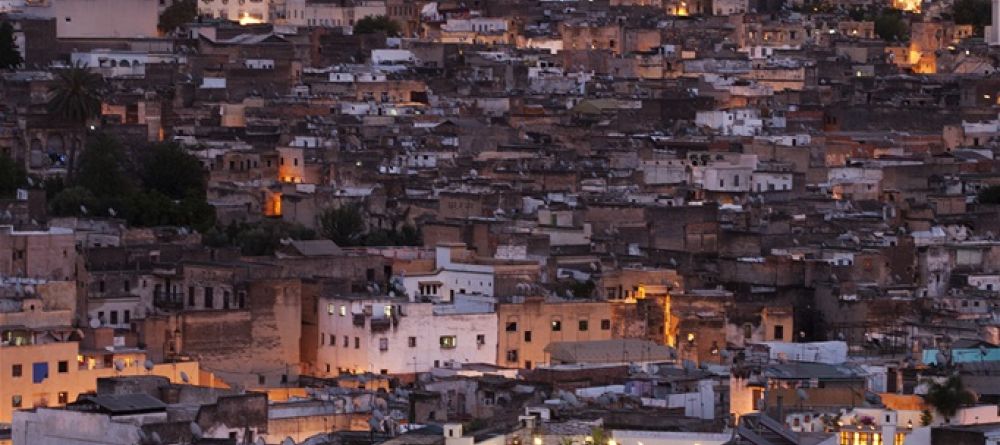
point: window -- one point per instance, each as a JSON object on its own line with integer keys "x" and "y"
{"x": 126, "y": 316}
{"x": 16, "y": 371}
{"x": 63, "y": 397}
{"x": 343, "y": 311}
{"x": 556, "y": 325}
{"x": 383, "y": 344}
{"x": 584, "y": 325}
{"x": 114, "y": 317}
{"x": 347, "y": 342}
{"x": 448, "y": 342}
{"x": 209, "y": 298}
{"x": 357, "y": 342}
{"x": 480, "y": 340}
{"x": 605, "y": 324}
{"x": 779, "y": 332}
{"x": 412, "y": 342}
{"x": 15, "y": 401}
{"x": 330, "y": 308}
{"x": 527, "y": 336}
{"x": 527, "y": 364}
{"x": 747, "y": 331}
{"x": 63, "y": 366}
{"x": 512, "y": 356}
{"x": 191, "y": 296}
{"x": 511, "y": 326}
{"x": 261, "y": 380}
{"x": 333, "y": 340}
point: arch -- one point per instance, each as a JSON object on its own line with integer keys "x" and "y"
{"x": 124, "y": 63}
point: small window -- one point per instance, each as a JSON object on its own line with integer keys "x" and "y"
{"x": 412, "y": 342}
{"x": 357, "y": 342}
{"x": 15, "y": 401}
{"x": 605, "y": 324}
{"x": 512, "y": 356}
{"x": 63, "y": 366}
{"x": 383, "y": 344}
{"x": 448, "y": 342}
{"x": 512, "y": 326}
{"x": 480, "y": 340}
{"x": 779, "y": 332}
{"x": 330, "y": 308}
{"x": 63, "y": 397}
{"x": 584, "y": 325}
{"x": 556, "y": 325}
{"x": 527, "y": 336}
{"x": 347, "y": 342}
{"x": 16, "y": 371}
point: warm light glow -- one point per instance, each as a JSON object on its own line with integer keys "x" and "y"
{"x": 690, "y": 336}
{"x": 246, "y": 19}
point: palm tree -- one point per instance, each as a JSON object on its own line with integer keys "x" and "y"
{"x": 949, "y": 396}
{"x": 75, "y": 98}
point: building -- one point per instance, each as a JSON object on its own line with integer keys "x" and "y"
{"x": 397, "y": 336}
{"x": 527, "y": 328}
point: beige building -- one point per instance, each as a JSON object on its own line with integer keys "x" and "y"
{"x": 45, "y": 254}
{"x": 525, "y": 329}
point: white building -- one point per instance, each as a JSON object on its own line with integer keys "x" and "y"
{"x": 244, "y": 11}
{"x": 450, "y": 277}
{"x": 395, "y": 336}
{"x": 330, "y": 14}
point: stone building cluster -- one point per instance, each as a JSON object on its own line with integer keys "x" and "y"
{"x": 506, "y": 222}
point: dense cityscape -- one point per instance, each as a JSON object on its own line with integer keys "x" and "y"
{"x": 499, "y": 222}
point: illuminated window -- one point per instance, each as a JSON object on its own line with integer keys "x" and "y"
{"x": 448, "y": 342}
{"x": 330, "y": 308}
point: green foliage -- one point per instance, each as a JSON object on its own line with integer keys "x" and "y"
{"x": 989, "y": 195}
{"x": 949, "y": 396}
{"x": 972, "y": 12}
{"x": 177, "y": 14}
{"x": 166, "y": 187}
{"x": 373, "y": 24}
{"x": 891, "y": 26}
{"x": 101, "y": 169}
{"x": 71, "y": 202}
{"x": 171, "y": 170}
{"x": 10, "y": 57}
{"x": 343, "y": 225}
{"x": 257, "y": 239}
{"x": 926, "y": 417}
{"x": 12, "y": 176}
{"x": 76, "y": 96}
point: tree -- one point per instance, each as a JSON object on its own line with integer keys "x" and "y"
{"x": 73, "y": 201}
{"x": 949, "y": 396}
{"x": 76, "y": 99}
{"x": 972, "y": 12}
{"x": 989, "y": 195}
{"x": 379, "y": 23}
{"x": 343, "y": 225}
{"x": 171, "y": 170}
{"x": 890, "y": 26}
{"x": 101, "y": 168}
{"x": 177, "y": 14}
{"x": 10, "y": 57}
{"x": 12, "y": 176}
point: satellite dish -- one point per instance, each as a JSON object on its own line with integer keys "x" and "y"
{"x": 288, "y": 441}
{"x": 119, "y": 365}
{"x": 803, "y": 395}
{"x": 112, "y": 212}
{"x": 148, "y": 365}
{"x": 185, "y": 378}
{"x": 940, "y": 358}
{"x": 95, "y": 323}
{"x": 83, "y": 209}
{"x": 259, "y": 441}
{"x": 196, "y": 431}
